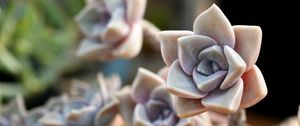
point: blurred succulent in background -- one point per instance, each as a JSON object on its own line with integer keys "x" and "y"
{"x": 113, "y": 29}
{"x": 37, "y": 39}
{"x": 14, "y": 113}
{"x": 83, "y": 106}
{"x": 154, "y": 105}
{"x": 213, "y": 68}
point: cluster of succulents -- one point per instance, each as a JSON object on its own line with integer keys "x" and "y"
{"x": 210, "y": 76}
{"x": 83, "y": 105}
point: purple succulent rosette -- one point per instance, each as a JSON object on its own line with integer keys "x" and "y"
{"x": 154, "y": 105}
{"x": 84, "y": 106}
{"x": 213, "y": 68}
{"x": 112, "y": 29}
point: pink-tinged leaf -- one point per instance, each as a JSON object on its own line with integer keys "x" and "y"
{"x": 237, "y": 67}
{"x": 140, "y": 117}
{"x": 213, "y": 23}
{"x": 107, "y": 113}
{"x": 118, "y": 121}
{"x": 208, "y": 83}
{"x": 215, "y": 55}
{"x": 93, "y": 49}
{"x": 131, "y": 46}
{"x": 169, "y": 44}
{"x": 188, "y": 49}
{"x": 218, "y": 119}
{"x": 188, "y": 107}
{"x": 202, "y": 120}
{"x": 135, "y": 10}
{"x": 91, "y": 20}
{"x": 103, "y": 89}
{"x": 225, "y": 101}
{"x": 117, "y": 28}
{"x": 80, "y": 116}
{"x": 160, "y": 93}
{"x": 248, "y": 43}
{"x": 126, "y": 104}
{"x": 255, "y": 88}
{"x": 182, "y": 85}
{"x": 143, "y": 84}
{"x": 113, "y": 83}
{"x": 163, "y": 72}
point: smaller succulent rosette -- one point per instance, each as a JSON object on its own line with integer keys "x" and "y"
{"x": 154, "y": 105}
{"x": 213, "y": 68}
{"x": 112, "y": 29}
{"x": 83, "y": 106}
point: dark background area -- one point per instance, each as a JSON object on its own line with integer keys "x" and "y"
{"x": 279, "y": 56}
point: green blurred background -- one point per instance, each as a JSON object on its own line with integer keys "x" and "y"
{"x": 37, "y": 42}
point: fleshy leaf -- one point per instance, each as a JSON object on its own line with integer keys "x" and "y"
{"x": 255, "y": 88}
{"x": 248, "y": 43}
{"x": 225, "y": 101}
{"x": 131, "y": 46}
{"x": 237, "y": 67}
{"x": 154, "y": 108}
{"x": 92, "y": 49}
{"x": 144, "y": 82}
{"x": 180, "y": 84}
{"x": 160, "y": 93}
{"x": 213, "y": 23}
{"x": 126, "y": 105}
{"x": 214, "y": 54}
{"x": 163, "y": 72}
{"x": 169, "y": 44}
{"x": 107, "y": 113}
{"x": 135, "y": 10}
{"x": 188, "y": 107}
{"x": 103, "y": 88}
{"x": 140, "y": 117}
{"x": 208, "y": 83}
{"x": 203, "y": 120}
{"x": 189, "y": 48}
{"x": 113, "y": 83}
{"x": 92, "y": 20}
{"x": 117, "y": 28}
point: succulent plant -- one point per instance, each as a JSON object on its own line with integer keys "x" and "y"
{"x": 213, "y": 68}
{"x": 154, "y": 106}
{"x": 112, "y": 29}
{"x": 83, "y": 106}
